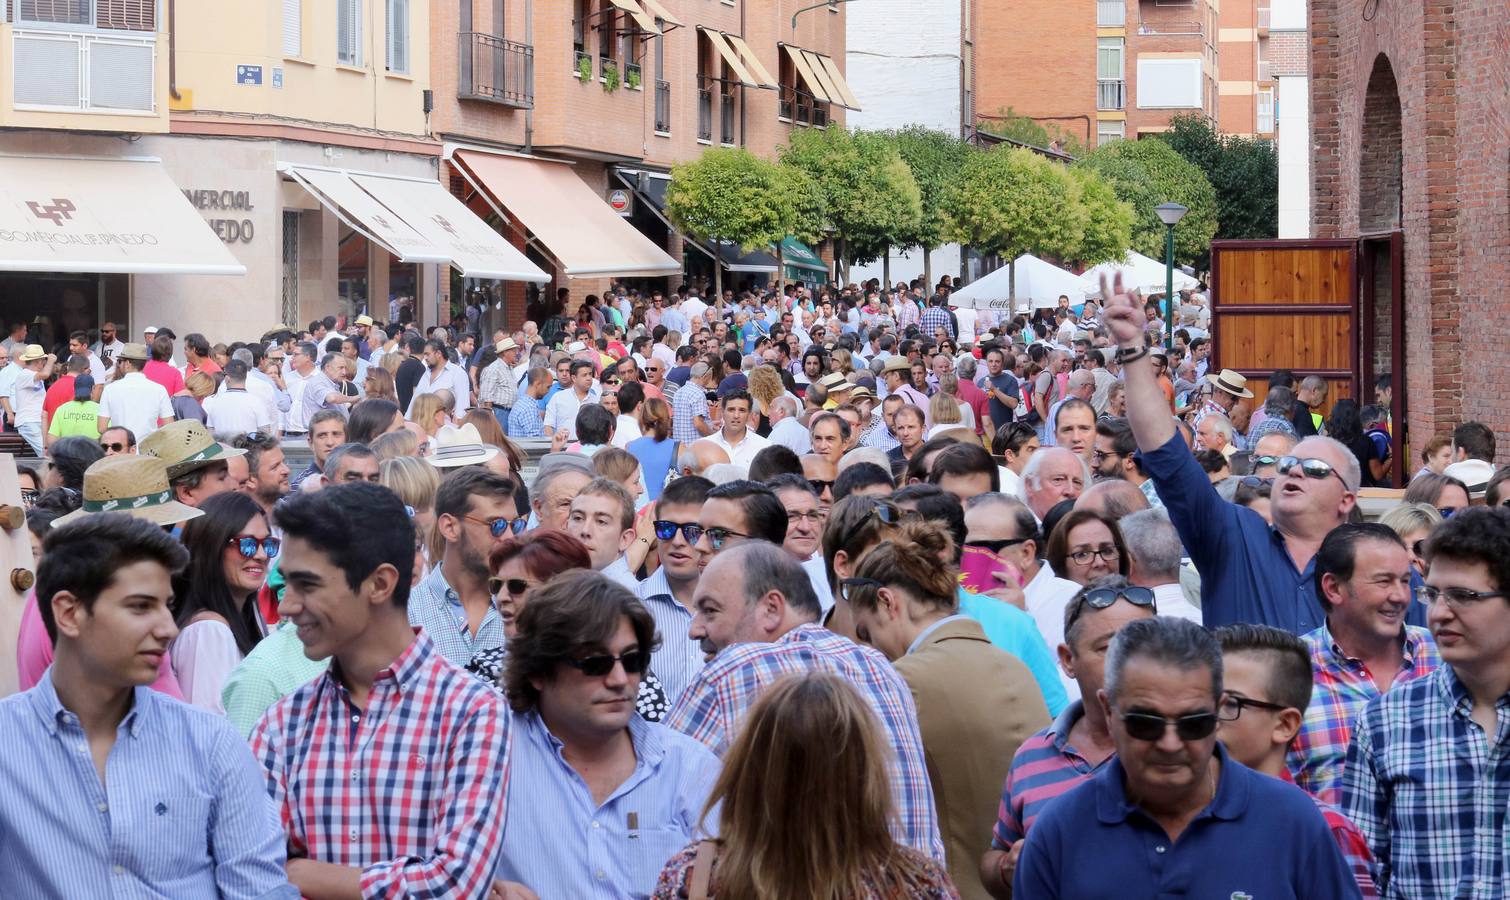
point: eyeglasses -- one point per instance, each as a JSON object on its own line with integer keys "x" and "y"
{"x": 1149, "y": 727}
{"x": 516, "y": 586}
{"x": 634, "y": 662}
{"x": 819, "y": 485}
{"x": 496, "y": 527}
{"x": 1265, "y": 460}
{"x": 997, "y": 546}
{"x": 29, "y": 496}
{"x": 113, "y": 447}
{"x": 1232, "y": 706}
{"x": 813, "y": 515}
{"x": 1105, "y": 553}
{"x": 1318, "y": 469}
{"x": 1447, "y": 511}
{"x": 247, "y": 545}
{"x": 1457, "y": 597}
{"x": 1097, "y": 456}
{"x": 848, "y": 586}
{"x": 1254, "y": 481}
{"x": 1101, "y": 598}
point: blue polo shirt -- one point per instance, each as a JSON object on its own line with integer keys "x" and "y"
{"x": 1247, "y": 574}
{"x": 1259, "y": 839}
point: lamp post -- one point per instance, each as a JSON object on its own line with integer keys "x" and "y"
{"x": 1170, "y": 214}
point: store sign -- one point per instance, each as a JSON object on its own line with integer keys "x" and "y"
{"x": 621, "y": 202}
{"x": 229, "y": 230}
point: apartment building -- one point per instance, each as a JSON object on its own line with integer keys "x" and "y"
{"x": 1248, "y": 78}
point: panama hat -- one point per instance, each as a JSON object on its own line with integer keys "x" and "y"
{"x": 1231, "y": 382}
{"x": 137, "y": 352}
{"x": 462, "y": 447}
{"x": 32, "y": 353}
{"x": 897, "y": 363}
{"x": 363, "y": 320}
{"x": 862, "y": 392}
{"x": 506, "y": 345}
{"x": 134, "y": 484}
{"x": 185, "y": 445}
{"x": 835, "y": 381}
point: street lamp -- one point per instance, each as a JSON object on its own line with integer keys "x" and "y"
{"x": 1170, "y": 214}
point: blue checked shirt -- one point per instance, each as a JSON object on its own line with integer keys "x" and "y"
{"x": 1429, "y": 790}
{"x": 686, "y": 406}
{"x": 181, "y": 813}
{"x": 727, "y": 687}
{"x": 525, "y": 420}
{"x": 934, "y": 318}
{"x": 436, "y": 608}
{"x": 610, "y": 850}
{"x": 679, "y": 658}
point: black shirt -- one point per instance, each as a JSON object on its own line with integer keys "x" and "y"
{"x": 410, "y": 371}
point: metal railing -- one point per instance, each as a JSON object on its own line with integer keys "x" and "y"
{"x": 704, "y": 114}
{"x": 663, "y": 107}
{"x": 1171, "y": 28}
{"x": 85, "y": 71}
{"x": 495, "y": 70}
{"x": 1265, "y": 70}
{"x": 1111, "y": 13}
{"x": 800, "y": 107}
{"x": 726, "y": 113}
{"x": 1264, "y": 17}
{"x": 1111, "y": 93}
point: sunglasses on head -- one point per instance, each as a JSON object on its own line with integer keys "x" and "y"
{"x": 1101, "y": 598}
{"x": 515, "y": 586}
{"x": 634, "y": 662}
{"x": 1318, "y": 469}
{"x": 1149, "y": 727}
{"x": 247, "y": 545}
{"x": 848, "y": 587}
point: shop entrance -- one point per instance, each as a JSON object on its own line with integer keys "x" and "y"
{"x": 54, "y": 305}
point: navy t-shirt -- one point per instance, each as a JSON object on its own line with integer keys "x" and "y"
{"x": 1006, "y": 382}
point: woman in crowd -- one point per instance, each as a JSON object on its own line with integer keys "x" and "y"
{"x": 1436, "y": 456}
{"x": 623, "y": 467}
{"x": 1413, "y": 522}
{"x": 765, "y": 387}
{"x": 432, "y": 414}
{"x": 31, "y": 483}
{"x": 1346, "y": 426}
{"x": 521, "y": 563}
{"x": 508, "y": 462}
{"x": 1085, "y": 546}
{"x": 811, "y": 757}
{"x": 379, "y": 385}
{"x": 372, "y": 418}
{"x": 191, "y": 405}
{"x": 416, "y": 482}
{"x": 656, "y": 451}
{"x": 855, "y": 524}
{"x": 229, "y": 549}
{"x": 396, "y": 444}
{"x": 68, "y": 458}
{"x": 1444, "y": 493}
{"x": 944, "y": 411}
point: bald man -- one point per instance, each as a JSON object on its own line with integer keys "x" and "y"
{"x": 1114, "y": 499}
{"x": 695, "y": 458}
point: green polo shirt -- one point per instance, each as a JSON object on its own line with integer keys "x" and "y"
{"x": 274, "y": 668}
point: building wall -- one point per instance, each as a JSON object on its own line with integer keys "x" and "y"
{"x": 1289, "y": 52}
{"x": 1172, "y": 32}
{"x": 1038, "y": 58}
{"x": 1451, "y": 74}
{"x": 155, "y": 123}
{"x": 916, "y": 82}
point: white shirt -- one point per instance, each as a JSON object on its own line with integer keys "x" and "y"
{"x": 618, "y": 571}
{"x": 136, "y": 402}
{"x": 1170, "y": 600}
{"x": 693, "y": 308}
{"x": 818, "y": 575}
{"x": 235, "y": 412}
{"x": 295, "y": 422}
{"x": 1011, "y": 483}
{"x": 26, "y": 397}
{"x": 263, "y": 391}
{"x": 561, "y": 411}
{"x": 743, "y": 452}
{"x": 8, "y": 378}
{"x": 967, "y": 320}
{"x": 97, "y": 369}
{"x": 626, "y": 430}
{"x": 452, "y": 378}
{"x": 790, "y": 434}
{"x": 1047, "y": 595}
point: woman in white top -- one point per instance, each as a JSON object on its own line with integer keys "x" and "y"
{"x": 230, "y": 548}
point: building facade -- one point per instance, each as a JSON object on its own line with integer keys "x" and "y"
{"x": 1289, "y": 56}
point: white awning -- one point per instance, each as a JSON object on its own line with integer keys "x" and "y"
{"x": 62, "y": 214}
{"x": 417, "y": 221}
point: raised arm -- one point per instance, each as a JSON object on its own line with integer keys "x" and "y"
{"x": 1147, "y": 409}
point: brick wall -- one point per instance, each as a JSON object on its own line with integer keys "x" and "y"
{"x": 1449, "y": 62}
{"x": 1038, "y": 57}
{"x": 1288, "y": 51}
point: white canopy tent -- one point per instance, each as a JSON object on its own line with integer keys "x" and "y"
{"x": 1039, "y": 286}
{"x": 1138, "y": 271}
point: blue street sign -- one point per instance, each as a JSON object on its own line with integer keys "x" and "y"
{"x": 248, "y": 74}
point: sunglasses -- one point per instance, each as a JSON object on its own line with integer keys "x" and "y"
{"x": 997, "y": 546}
{"x": 1101, "y": 598}
{"x": 819, "y": 485}
{"x": 29, "y": 496}
{"x": 247, "y": 545}
{"x": 1254, "y": 481}
{"x": 496, "y": 527}
{"x": 1447, "y": 512}
{"x": 1149, "y": 727}
{"x": 1264, "y": 460}
{"x": 849, "y": 586}
{"x": 1318, "y": 469}
{"x": 516, "y": 586}
{"x": 666, "y": 530}
{"x": 115, "y": 447}
{"x": 634, "y": 662}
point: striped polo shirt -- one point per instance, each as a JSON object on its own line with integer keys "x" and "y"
{"x": 1044, "y": 767}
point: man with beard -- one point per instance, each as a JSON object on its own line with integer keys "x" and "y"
{"x": 267, "y": 470}
{"x": 667, "y": 593}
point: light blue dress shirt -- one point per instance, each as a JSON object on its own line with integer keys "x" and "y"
{"x": 436, "y": 607}
{"x": 1014, "y": 631}
{"x": 559, "y": 843}
{"x": 183, "y": 811}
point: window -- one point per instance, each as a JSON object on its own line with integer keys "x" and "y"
{"x": 349, "y": 32}
{"x": 397, "y": 59}
{"x": 1111, "y": 13}
{"x": 56, "y": 12}
{"x": 116, "y": 15}
{"x": 1106, "y": 132}
{"x": 1169, "y": 84}
{"x": 1110, "y": 76}
{"x": 1265, "y": 111}
{"x": 293, "y": 27}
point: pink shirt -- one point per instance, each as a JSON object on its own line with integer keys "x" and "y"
{"x": 34, "y": 653}
{"x": 164, "y": 374}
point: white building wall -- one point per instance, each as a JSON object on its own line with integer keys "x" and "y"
{"x": 909, "y": 81}
{"x": 1292, "y": 100}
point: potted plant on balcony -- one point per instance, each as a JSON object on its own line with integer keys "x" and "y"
{"x": 610, "y": 77}
{"x": 584, "y": 67}
{"x": 632, "y": 78}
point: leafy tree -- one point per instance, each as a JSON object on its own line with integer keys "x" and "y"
{"x": 935, "y": 159}
{"x": 870, "y": 196}
{"x": 1147, "y": 173}
{"x": 1009, "y": 124}
{"x": 1244, "y": 173}
{"x": 1107, "y": 222}
{"x": 730, "y": 194}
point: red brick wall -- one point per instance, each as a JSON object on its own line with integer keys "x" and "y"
{"x": 1038, "y": 57}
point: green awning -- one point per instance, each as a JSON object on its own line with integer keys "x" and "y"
{"x": 798, "y": 255}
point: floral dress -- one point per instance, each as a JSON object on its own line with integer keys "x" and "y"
{"x": 651, "y": 702}
{"x": 676, "y": 881}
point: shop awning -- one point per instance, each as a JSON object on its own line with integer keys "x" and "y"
{"x": 568, "y": 219}
{"x": 804, "y": 69}
{"x": 734, "y": 259}
{"x": 655, "y": 8}
{"x": 416, "y": 221}
{"x": 751, "y": 61}
{"x": 798, "y": 255}
{"x": 124, "y": 215}
{"x": 731, "y": 56}
{"x": 645, "y": 20}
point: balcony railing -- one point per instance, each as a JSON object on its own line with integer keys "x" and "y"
{"x": 663, "y": 107}
{"x": 1111, "y": 13}
{"x": 726, "y": 133}
{"x": 1265, "y": 70}
{"x": 1265, "y": 123}
{"x": 1173, "y": 29}
{"x": 495, "y": 70}
{"x": 111, "y": 72}
{"x": 1111, "y": 93}
{"x": 633, "y": 76}
{"x": 801, "y": 108}
{"x": 704, "y": 114}
{"x": 1264, "y": 17}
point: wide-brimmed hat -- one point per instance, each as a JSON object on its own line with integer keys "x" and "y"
{"x": 835, "y": 381}
{"x": 363, "y": 320}
{"x": 506, "y": 345}
{"x": 897, "y": 363}
{"x": 32, "y": 353}
{"x": 861, "y": 392}
{"x": 134, "y": 484}
{"x": 1231, "y": 382}
{"x": 137, "y": 352}
{"x": 461, "y": 447}
{"x": 185, "y": 445}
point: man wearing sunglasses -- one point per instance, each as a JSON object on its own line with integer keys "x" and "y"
{"x": 1172, "y": 814}
{"x": 620, "y": 791}
{"x": 735, "y": 512}
{"x": 669, "y": 591}
{"x": 1250, "y": 571}
{"x": 452, "y": 604}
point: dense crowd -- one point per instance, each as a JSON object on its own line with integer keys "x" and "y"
{"x": 774, "y": 594}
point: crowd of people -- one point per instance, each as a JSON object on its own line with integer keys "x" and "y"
{"x": 847, "y": 593}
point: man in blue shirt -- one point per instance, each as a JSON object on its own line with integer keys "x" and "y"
{"x": 112, "y": 789}
{"x": 1172, "y": 815}
{"x": 599, "y": 798}
{"x": 1250, "y": 571}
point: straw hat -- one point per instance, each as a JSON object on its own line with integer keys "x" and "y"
{"x": 1231, "y": 382}
{"x": 506, "y": 345}
{"x": 133, "y": 484}
{"x": 835, "y": 381}
{"x": 137, "y": 352}
{"x": 32, "y": 353}
{"x": 897, "y": 363}
{"x": 462, "y": 447}
{"x": 185, "y": 445}
{"x": 363, "y": 320}
{"x": 862, "y": 392}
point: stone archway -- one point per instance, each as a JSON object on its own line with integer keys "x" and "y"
{"x": 1380, "y": 152}
{"x": 1380, "y": 201}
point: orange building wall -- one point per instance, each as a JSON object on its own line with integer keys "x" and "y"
{"x": 1037, "y": 57}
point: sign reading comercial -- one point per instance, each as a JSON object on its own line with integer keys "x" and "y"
{"x": 621, "y": 201}
{"x": 229, "y": 230}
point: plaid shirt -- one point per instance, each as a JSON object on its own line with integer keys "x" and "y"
{"x": 525, "y": 420}
{"x": 934, "y": 318}
{"x": 1429, "y": 790}
{"x": 496, "y": 385}
{"x": 1343, "y": 686}
{"x": 907, "y": 313}
{"x": 1350, "y": 843}
{"x": 411, "y": 790}
{"x": 727, "y": 687}
{"x": 686, "y": 406}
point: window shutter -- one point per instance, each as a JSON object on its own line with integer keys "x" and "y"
{"x": 126, "y": 15}
{"x": 398, "y": 36}
{"x": 348, "y": 32}
{"x": 293, "y": 27}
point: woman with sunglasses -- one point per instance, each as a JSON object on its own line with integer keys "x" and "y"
{"x": 519, "y": 565}
{"x": 1445, "y": 494}
{"x": 855, "y": 524}
{"x": 906, "y": 605}
{"x": 1413, "y": 522}
{"x": 1085, "y": 546}
{"x": 229, "y": 550}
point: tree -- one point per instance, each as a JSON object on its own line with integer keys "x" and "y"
{"x": 1107, "y": 222}
{"x": 1147, "y": 173}
{"x": 1024, "y": 129}
{"x": 935, "y": 159}
{"x": 730, "y": 195}
{"x": 1244, "y": 173}
{"x": 868, "y": 192}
